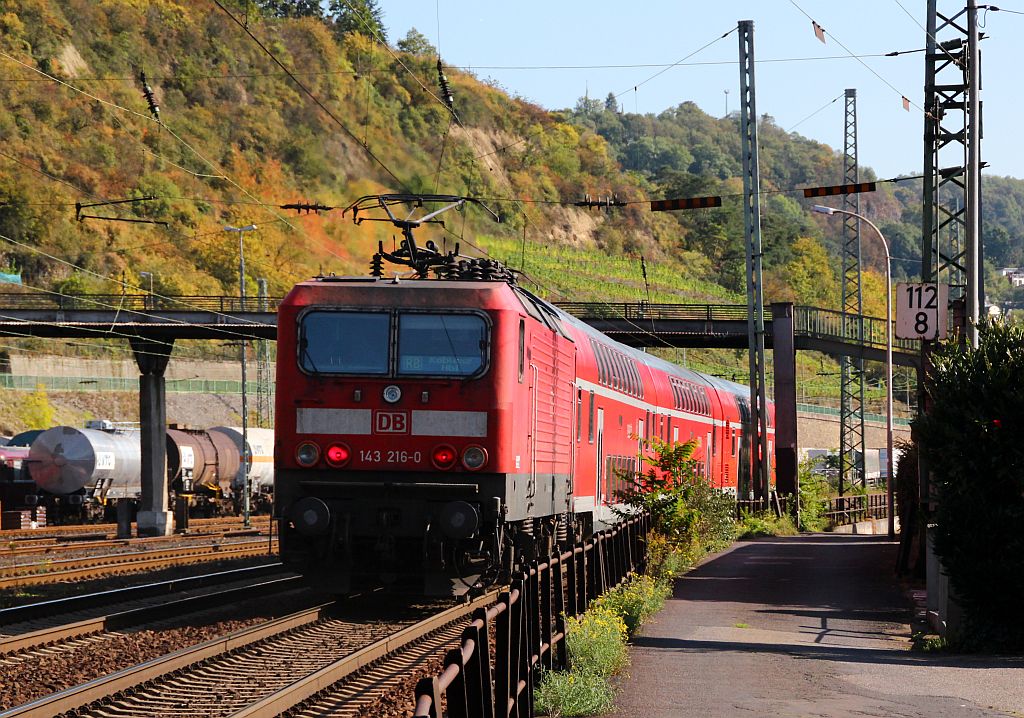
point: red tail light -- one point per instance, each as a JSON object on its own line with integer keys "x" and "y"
{"x": 444, "y": 457}
{"x": 337, "y": 455}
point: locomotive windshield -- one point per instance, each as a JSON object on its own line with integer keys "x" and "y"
{"x": 345, "y": 342}
{"x": 441, "y": 344}
{"x": 360, "y": 343}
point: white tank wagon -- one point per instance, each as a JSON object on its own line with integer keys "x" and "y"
{"x": 261, "y": 449}
{"x": 64, "y": 460}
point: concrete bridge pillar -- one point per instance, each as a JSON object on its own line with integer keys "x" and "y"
{"x": 154, "y": 517}
{"x": 784, "y": 363}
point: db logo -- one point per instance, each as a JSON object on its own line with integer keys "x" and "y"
{"x": 390, "y": 422}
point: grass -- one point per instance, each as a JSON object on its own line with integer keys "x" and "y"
{"x": 596, "y": 647}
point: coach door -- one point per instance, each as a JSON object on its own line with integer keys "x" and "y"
{"x": 600, "y": 456}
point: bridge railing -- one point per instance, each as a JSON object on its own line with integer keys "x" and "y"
{"x": 636, "y": 311}
{"x": 134, "y": 302}
{"x": 848, "y": 328}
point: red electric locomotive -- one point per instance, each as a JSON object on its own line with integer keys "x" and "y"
{"x": 432, "y": 432}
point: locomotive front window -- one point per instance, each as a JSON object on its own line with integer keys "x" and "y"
{"x": 441, "y": 344}
{"x": 345, "y": 342}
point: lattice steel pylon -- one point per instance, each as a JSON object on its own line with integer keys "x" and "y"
{"x": 951, "y": 193}
{"x": 851, "y": 404}
{"x": 757, "y": 430}
{"x": 264, "y": 398}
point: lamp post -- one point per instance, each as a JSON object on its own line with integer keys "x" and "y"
{"x": 242, "y": 343}
{"x": 149, "y": 299}
{"x": 821, "y": 209}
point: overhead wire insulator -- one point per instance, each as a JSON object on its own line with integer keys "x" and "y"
{"x": 307, "y": 207}
{"x": 446, "y": 90}
{"x": 147, "y": 92}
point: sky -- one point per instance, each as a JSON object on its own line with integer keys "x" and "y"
{"x": 551, "y": 53}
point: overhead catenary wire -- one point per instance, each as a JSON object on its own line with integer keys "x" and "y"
{"x": 123, "y": 283}
{"x": 309, "y": 93}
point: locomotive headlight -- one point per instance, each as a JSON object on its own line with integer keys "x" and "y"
{"x": 392, "y": 393}
{"x": 307, "y": 454}
{"x": 337, "y": 455}
{"x": 474, "y": 457}
{"x": 444, "y": 456}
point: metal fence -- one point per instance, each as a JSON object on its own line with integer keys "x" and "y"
{"x": 492, "y": 679}
{"x": 135, "y": 302}
{"x": 646, "y": 310}
{"x": 123, "y": 383}
{"x": 844, "y": 510}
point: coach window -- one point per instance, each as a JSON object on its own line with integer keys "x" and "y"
{"x": 579, "y": 414}
{"x": 590, "y": 420}
{"x": 441, "y": 344}
{"x": 344, "y": 342}
{"x": 522, "y": 348}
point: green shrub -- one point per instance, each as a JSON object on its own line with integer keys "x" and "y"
{"x": 693, "y": 515}
{"x": 596, "y": 642}
{"x": 971, "y": 441}
{"x": 636, "y": 600}
{"x": 814, "y": 495}
{"x": 567, "y": 693}
{"x": 665, "y": 561}
{"x": 765, "y": 523}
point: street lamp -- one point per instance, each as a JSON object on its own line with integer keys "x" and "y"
{"x": 821, "y": 209}
{"x": 150, "y": 275}
{"x": 242, "y": 344}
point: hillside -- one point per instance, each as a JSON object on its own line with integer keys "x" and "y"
{"x": 237, "y": 138}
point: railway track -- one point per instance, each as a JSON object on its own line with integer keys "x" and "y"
{"x": 73, "y": 531}
{"x": 313, "y": 658}
{"x": 77, "y": 569}
{"x": 55, "y": 546}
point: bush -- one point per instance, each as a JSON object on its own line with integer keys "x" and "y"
{"x": 814, "y": 495}
{"x": 565, "y": 693}
{"x": 664, "y": 560}
{"x": 595, "y": 642}
{"x": 765, "y": 523}
{"x": 691, "y": 514}
{"x": 970, "y": 439}
{"x": 636, "y": 600}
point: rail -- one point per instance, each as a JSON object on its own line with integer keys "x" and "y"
{"x": 529, "y": 628}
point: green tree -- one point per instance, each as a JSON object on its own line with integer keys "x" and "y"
{"x": 362, "y": 16}
{"x": 416, "y": 43}
{"x": 970, "y": 439}
{"x": 291, "y": 8}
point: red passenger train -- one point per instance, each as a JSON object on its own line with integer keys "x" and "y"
{"x": 433, "y": 432}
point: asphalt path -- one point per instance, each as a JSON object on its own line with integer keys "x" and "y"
{"x": 812, "y": 625}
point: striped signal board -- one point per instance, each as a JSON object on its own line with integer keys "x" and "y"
{"x": 839, "y": 189}
{"x": 664, "y": 205}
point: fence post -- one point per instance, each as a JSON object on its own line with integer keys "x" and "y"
{"x": 503, "y": 659}
{"x": 558, "y": 657}
{"x": 429, "y": 687}
{"x": 456, "y": 691}
{"x": 547, "y": 659}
